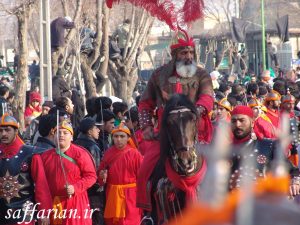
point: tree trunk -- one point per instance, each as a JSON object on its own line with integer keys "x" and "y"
{"x": 124, "y": 77}
{"x": 102, "y": 72}
{"x": 131, "y": 84}
{"x": 22, "y": 74}
{"x": 121, "y": 91}
{"x": 55, "y": 56}
{"x": 88, "y": 77}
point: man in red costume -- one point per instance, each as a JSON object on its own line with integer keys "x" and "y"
{"x": 272, "y": 102}
{"x": 118, "y": 169}
{"x": 23, "y": 185}
{"x": 263, "y": 127}
{"x": 247, "y": 147}
{"x": 287, "y": 106}
{"x": 70, "y": 171}
{"x": 180, "y": 75}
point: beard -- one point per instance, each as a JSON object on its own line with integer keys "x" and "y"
{"x": 186, "y": 69}
{"x": 241, "y": 133}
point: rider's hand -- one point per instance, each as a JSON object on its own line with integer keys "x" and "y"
{"x": 148, "y": 133}
{"x": 201, "y": 110}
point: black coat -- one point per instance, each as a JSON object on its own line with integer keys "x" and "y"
{"x": 90, "y": 144}
{"x": 103, "y": 142}
{"x": 57, "y": 30}
{"x": 44, "y": 143}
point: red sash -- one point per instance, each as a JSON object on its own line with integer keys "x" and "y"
{"x": 186, "y": 184}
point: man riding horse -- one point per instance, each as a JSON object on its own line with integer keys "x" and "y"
{"x": 182, "y": 76}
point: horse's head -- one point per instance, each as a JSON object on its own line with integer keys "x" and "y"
{"x": 179, "y": 135}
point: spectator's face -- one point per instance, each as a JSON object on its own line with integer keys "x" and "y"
{"x": 45, "y": 110}
{"x": 266, "y": 79}
{"x": 241, "y": 126}
{"x": 35, "y": 103}
{"x": 109, "y": 125}
{"x": 7, "y": 134}
{"x": 120, "y": 139}
{"x": 94, "y": 132}
{"x": 128, "y": 123}
{"x": 70, "y": 107}
{"x": 6, "y": 95}
{"x": 121, "y": 115}
{"x": 253, "y": 79}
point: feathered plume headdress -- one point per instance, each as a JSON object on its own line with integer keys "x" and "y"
{"x": 166, "y": 11}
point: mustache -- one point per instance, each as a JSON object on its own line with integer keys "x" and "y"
{"x": 237, "y": 129}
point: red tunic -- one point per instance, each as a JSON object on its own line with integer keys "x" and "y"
{"x": 264, "y": 129}
{"x": 123, "y": 166}
{"x": 274, "y": 117}
{"x": 81, "y": 175}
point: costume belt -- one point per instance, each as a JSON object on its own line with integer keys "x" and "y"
{"x": 116, "y": 201}
{"x": 57, "y": 217}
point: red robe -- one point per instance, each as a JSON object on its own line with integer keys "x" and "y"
{"x": 151, "y": 157}
{"x": 41, "y": 190}
{"x": 274, "y": 117}
{"x": 81, "y": 175}
{"x": 264, "y": 129}
{"x": 123, "y": 166}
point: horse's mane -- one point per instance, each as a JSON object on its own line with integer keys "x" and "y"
{"x": 177, "y": 101}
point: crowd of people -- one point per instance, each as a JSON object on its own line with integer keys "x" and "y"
{"x": 101, "y": 166}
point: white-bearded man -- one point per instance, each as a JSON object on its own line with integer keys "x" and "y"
{"x": 180, "y": 76}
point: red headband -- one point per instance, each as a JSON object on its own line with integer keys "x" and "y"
{"x": 183, "y": 43}
{"x": 182, "y": 40}
{"x": 242, "y": 110}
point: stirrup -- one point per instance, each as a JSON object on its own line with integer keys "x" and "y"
{"x": 147, "y": 218}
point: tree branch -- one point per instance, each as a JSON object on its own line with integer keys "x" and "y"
{"x": 98, "y": 40}
{"x": 65, "y": 7}
{"x": 130, "y": 33}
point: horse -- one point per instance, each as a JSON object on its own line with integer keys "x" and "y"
{"x": 180, "y": 168}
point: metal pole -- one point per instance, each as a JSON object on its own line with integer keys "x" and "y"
{"x": 263, "y": 33}
{"x": 45, "y": 51}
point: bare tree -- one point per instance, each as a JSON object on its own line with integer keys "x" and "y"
{"x": 22, "y": 11}
{"x": 221, "y": 12}
{"x": 123, "y": 76}
{"x": 62, "y": 52}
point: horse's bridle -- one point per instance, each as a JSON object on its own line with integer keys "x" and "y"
{"x": 175, "y": 157}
